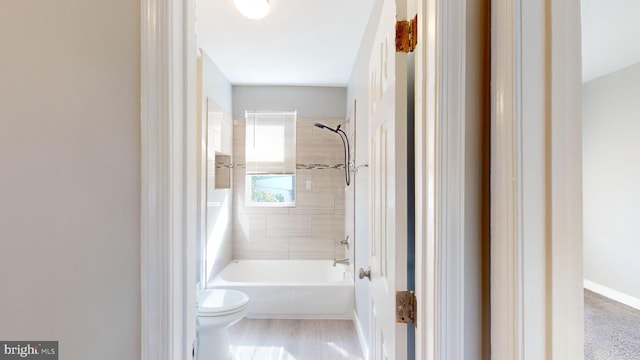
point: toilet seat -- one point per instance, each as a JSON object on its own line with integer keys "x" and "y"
{"x": 221, "y": 302}
{"x": 221, "y": 314}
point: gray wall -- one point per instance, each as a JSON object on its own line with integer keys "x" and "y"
{"x": 611, "y": 176}
{"x": 311, "y": 102}
{"x": 70, "y": 183}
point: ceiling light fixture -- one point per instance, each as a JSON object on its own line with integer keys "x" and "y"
{"x": 253, "y": 9}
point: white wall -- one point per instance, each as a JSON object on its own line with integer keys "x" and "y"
{"x": 611, "y": 146}
{"x": 70, "y": 183}
{"x": 358, "y": 90}
{"x": 217, "y": 245}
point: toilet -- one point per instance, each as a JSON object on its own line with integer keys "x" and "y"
{"x": 217, "y": 310}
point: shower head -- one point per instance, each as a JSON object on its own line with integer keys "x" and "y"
{"x": 323, "y": 126}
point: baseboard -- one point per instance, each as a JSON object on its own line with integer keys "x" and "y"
{"x": 612, "y": 294}
{"x": 361, "y": 336}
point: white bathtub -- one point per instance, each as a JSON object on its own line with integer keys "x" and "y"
{"x": 291, "y": 289}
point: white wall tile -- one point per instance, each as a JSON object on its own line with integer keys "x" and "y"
{"x": 311, "y": 249}
{"x": 312, "y": 228}
{"x": 250, "y": 226}
{"x": 285, "y": 226}
{"x": 262, "y": 249}
{"x": 329, "y": 180}
{"x": 329, "y": 226}
{"x": 316, "y": 199}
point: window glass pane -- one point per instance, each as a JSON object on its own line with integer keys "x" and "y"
{"x": 275, "y": 190}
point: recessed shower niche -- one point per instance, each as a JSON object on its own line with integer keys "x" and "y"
{"x": 223, "y": 171}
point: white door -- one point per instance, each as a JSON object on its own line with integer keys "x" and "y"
{"x": 388, "y": 187}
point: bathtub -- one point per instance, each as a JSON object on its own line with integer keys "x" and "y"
{"x": 291, "y": 289}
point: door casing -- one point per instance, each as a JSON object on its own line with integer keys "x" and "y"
{"x": 536, "y": 181}
{"x": 168, "y": 121}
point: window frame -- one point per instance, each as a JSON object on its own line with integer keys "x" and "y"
{"x": 248, "y": 177}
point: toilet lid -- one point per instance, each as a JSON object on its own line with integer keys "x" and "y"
{"x": 222, "y": 301}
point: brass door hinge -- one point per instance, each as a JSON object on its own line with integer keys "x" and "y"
{"x": 407, "y": 35}
{"x": 406, "y": 307}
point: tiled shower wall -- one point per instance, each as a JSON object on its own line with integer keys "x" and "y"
{"x": 313, "y": 228}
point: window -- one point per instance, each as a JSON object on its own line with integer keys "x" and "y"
{"x": 270, "y": 159}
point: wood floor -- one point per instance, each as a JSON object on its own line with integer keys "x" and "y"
{"x": 294, "y": 340}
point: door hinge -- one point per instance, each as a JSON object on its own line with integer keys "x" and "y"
{"x": 407, "y": 35}
{"x": 406, "y": 307}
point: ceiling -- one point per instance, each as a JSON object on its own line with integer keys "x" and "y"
{"x": 300, "y": 42}
{"x": 610, "y": 36}
{"x": 311, "y": 42}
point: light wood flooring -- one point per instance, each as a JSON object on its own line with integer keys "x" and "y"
{"x": 294, "y": 340}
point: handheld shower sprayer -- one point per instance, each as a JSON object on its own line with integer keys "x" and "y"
{"x": 322, "y": 126}
{"x": 347, "y": 151}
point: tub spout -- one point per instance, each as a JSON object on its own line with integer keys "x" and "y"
{"x": 340, "y": 261}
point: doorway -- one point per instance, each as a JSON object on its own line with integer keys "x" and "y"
{"x": 167, "y": 72}
{"x": 611, "y": 72}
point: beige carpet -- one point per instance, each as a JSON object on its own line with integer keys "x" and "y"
{"x": 611, "y": 329}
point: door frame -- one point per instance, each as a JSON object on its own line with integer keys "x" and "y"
{"x": 167, "y": 318}
{"x": 536, "y": 181}
{"x": 168, "y": 179}
{"x": 440, "y": 120}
